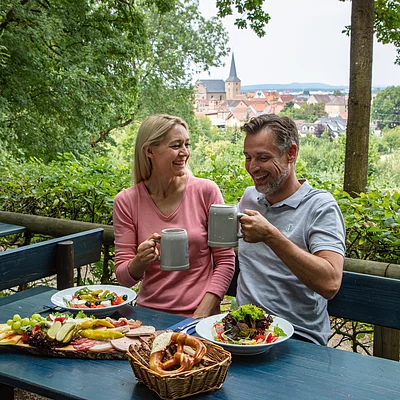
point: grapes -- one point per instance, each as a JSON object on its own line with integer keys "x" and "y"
{"x": 16, "y": 317}
{"x": 17, "y": 323}
{"x": 16, "y": 326}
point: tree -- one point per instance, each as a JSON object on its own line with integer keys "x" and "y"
{"x": 76, "y": 70}
{"x": 359, "y": 103}
{"x": 385, "y": 17}
{"x": 386, "y": 107}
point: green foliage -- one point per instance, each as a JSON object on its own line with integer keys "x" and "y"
{"x": 391, "y": 139}
{"x": 79, "y": 69}
{"x": 250, "y": 12}
{"x": 306, "y": 112}
{"x": 222, "y": 161}
{"x": 311, "y": 156}
{"x": 386, "y": 107}
{"x": 387, "y": 23}
{"x": 387, "y": 171}
{"x": 372, "y": 225}
{"x": 72, "y": 188}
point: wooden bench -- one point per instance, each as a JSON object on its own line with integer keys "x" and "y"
{"x": 10, "y": 229}
{"x": 51, "y": 257}
{"x": 374, "y": 300}
{"x": 366, "y": 298}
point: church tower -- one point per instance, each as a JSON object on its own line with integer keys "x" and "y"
{"x": 233, "y": 83}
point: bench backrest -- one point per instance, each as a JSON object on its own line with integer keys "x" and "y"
{"x": 368, "y": 298}
{"x": 36, "y": 261}
{"x": 362, "y": 297}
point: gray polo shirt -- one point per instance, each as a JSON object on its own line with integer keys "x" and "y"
{"x": 312, "y": 220}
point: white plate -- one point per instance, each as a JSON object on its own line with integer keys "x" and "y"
{"x": 58, "y": 299}
{"x": 204, "y": 329}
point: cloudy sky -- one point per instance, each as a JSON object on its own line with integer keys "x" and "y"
{"x": 303, "y": 43}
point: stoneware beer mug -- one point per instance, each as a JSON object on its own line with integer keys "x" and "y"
{"x": 223, "y": 225}
{"x": 174, "y": 249}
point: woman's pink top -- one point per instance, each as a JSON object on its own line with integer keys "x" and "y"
{"x": 136, "y": 217}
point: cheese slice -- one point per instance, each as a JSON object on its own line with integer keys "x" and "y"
{"x": 12, "y": 338}
{"x": 5, "y": 328}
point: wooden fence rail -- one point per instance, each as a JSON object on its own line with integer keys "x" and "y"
{"x": 60, "y": 227}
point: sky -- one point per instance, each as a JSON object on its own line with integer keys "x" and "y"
{"x": 303, "y": 43}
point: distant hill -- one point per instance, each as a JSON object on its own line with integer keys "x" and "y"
{"x": 294, "y": 86}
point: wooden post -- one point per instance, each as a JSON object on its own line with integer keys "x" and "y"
{"x": 386, "y": 343}
{"x": 65, "y": 264}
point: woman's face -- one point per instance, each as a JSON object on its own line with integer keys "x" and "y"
{"x": 171, "y": 155}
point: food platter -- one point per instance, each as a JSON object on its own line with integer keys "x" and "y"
{"x": 66, "y": 337}
{"x": 204, "y": 329}
{"x": 59, "y": 299}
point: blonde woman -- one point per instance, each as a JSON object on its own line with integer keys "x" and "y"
{"x": 164, "y": 196}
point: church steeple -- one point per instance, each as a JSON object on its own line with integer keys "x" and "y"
{"x": 232, "y": 74}
{"x": 233, "y": 83}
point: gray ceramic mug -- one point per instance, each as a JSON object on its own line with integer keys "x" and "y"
{"x": 174, "y": 249}
{"x": 223, "y": 225}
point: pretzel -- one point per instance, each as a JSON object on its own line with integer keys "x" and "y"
{"x": 180, "y": 358}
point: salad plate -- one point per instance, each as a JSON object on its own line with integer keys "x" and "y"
{"x": 102, "y": 308}
{"x": 205, "y": 330}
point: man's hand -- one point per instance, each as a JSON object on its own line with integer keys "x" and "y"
{"x": 255, "y": 228}
{"x": 321, "y": 272}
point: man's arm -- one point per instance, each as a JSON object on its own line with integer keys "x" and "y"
{"x": 321, "y": 272}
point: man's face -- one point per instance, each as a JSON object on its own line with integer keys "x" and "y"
{"x": 264, "y": 162}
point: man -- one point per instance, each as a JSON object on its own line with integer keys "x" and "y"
{"x": 291, "y": 256}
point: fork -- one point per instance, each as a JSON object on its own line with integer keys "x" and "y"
{"x": 186, "y": 327}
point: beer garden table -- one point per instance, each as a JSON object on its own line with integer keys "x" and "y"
{"x": 290, "y": 370}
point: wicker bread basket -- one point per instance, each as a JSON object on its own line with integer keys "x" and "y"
{"x": 186, "y": 383}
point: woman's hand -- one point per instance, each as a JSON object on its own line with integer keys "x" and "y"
{"x": 147, "y": 253}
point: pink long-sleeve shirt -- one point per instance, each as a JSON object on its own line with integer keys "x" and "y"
{"x": 136, "y": 217}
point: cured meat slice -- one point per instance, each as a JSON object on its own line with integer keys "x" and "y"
{"x": 141, "y": 331}
{"x": 101, "y": 346}
{"x": 83, "y": 344}
{"x": 122, "y": 344}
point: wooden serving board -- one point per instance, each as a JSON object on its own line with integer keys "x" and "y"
{"x": 64, "y": 352}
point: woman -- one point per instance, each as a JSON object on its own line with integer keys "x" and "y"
{"x": 164, "y": 196}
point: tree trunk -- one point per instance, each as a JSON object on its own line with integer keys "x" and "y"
{"x": 357, "y": 134}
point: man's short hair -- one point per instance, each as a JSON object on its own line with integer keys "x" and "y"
{"x": 284, "y": 129}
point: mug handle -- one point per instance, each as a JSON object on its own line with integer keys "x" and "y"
{"x": 239, "y": 215}
{"x": 159, "y": 242}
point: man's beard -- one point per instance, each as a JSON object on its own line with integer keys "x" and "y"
{"x": 273, "y": 184}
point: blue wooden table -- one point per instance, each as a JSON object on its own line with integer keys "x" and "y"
{"x": 291, "y": 370}
{"x": 10, "y": 229}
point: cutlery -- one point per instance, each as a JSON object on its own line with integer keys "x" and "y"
{"x": 189, "y": 326}
{"x": 48, "y": 307}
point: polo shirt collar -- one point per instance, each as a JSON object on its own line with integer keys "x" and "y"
{"x": 293, "y": 201}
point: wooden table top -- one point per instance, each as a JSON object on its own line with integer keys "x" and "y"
{"x": 290, "y": 370}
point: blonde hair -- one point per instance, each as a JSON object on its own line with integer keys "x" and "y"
{"x": 151, "y": 132}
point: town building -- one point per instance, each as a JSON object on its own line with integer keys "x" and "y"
{"x": 218, "y": 90}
